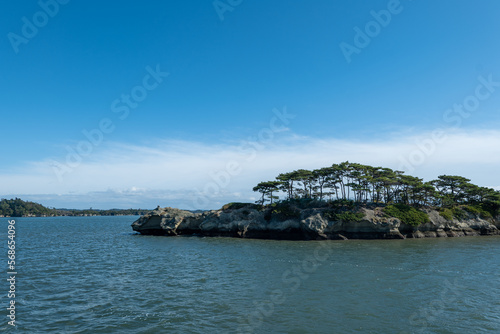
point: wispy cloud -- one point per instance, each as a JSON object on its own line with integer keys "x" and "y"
{"x": 173, "y": 172}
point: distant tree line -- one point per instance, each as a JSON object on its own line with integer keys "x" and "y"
{"x": 366, "y": 184}
{"x": 19, "y": 208}
{"x": 95, "y": 212}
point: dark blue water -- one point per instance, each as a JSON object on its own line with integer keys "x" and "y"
{"x": 93, "y": 275}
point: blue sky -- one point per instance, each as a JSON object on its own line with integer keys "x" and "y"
{"x": 225, "y": 78}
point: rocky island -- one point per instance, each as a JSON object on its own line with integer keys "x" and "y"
{"x": 344, "y": 201}
{"x": 249, "y": 221}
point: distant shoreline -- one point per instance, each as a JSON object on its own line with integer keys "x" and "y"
{"x": 118, "y": 215}
{"x": 16, "y": 208}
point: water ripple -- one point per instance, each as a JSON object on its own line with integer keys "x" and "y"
{"x": 93, "y": 275}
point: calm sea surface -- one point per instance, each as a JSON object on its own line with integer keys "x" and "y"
{"x": 94, "y": 275}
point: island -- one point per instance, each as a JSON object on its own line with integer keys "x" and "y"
{"x": 340, "y": 202}
{"x": 16, "y": 207}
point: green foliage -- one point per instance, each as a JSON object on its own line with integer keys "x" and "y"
{"x": 454, "y": 187}
{"x": 458, "y": 213}
{"x": 478, "y": 210}
{"x": 471, "y": 209}
{"x": 19, "y": 208}
{"x": 346, "y": 216}
{"x": 407, "y": 214}
{"x": 343, "y": 203}
{"x": 282, "y": 211}
{"x": 287, "y": 212}
{"x": 462, "y": 212}
{"x": 446, "y": 214}
{"x": 343, "y": 210}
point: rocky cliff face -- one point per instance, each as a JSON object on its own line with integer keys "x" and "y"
{"x": 307, "y": 224}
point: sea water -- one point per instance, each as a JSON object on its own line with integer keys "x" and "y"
{"x": 95, "y": 275}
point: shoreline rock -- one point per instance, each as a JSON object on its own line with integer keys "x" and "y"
{"x": 247, "y": 221}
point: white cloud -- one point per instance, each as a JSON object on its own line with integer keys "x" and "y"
{"x": 177, "y": 172}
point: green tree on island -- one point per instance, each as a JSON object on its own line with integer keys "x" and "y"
{"x": 267, "y": 189}
{"x": 360, "y": 183}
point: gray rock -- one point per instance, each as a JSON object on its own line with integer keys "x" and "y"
{"x": 248, "y": 221}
